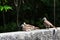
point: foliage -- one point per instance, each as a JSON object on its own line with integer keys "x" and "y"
{"x": 9, "y": 27}
{"x": 51, "y": 2}
{"x": 28, "y": 6}
{"x": 40, "y": 24}
{"x": 1, "y": 8}
{"x": 5, "y": 7}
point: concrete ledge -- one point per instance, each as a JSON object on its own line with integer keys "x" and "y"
{"x": 42, "y": 34}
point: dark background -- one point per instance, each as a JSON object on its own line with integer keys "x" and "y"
{"x": 29, "y": 11}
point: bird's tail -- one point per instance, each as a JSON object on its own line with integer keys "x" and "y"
{"x": 53, "y": 26}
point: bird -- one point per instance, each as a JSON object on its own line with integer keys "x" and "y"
{"x": 47, "y": 23}
{"x": 28, "y": 27}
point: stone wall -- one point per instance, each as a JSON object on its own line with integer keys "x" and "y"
{"x": 42, "y": 34}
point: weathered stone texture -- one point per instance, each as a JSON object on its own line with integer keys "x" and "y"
{"x": 42, "y": 34}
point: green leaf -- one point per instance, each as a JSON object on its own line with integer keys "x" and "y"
{"x": 6, "y": 7}
{"x": 1, "y": 8}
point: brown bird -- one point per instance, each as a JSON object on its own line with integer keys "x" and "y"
{"x": 28, "y": 27}
{"x": 47, "y": 23}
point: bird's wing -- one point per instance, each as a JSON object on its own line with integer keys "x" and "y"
{"x": 49, "y": 23}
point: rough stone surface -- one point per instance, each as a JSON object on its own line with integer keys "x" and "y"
{"x": 42, "y": 34}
